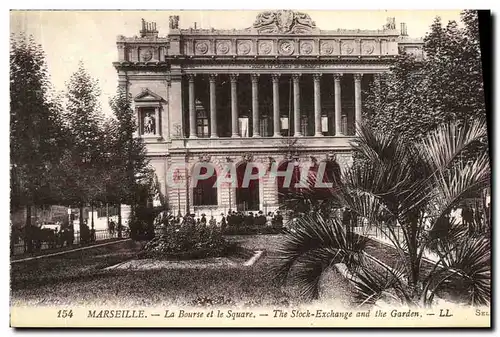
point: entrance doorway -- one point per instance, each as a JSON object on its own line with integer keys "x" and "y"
{"x": 247, "y": 197}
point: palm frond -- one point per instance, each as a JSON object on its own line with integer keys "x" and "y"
{"x": 442, "y": 146}
{"x": 459, "y": 183}
{"x": 376, "y": 281}
{"x": 467, "y": 271}
{"x": 379, "y": 147}
{"x": 310, "y": 246}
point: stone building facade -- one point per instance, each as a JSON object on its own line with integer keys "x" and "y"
{"x": 280, "y": 91}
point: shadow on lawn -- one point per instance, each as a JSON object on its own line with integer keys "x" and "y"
{"x": 82, "y": 279}
{"x": 71, "y": 267}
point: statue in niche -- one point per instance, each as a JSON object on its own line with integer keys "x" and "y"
{"x": 149, "y": 124}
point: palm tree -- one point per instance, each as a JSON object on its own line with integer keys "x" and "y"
{"x": 398, "y": 187}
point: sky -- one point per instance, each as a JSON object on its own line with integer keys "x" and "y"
{"x": 68, "y": 37}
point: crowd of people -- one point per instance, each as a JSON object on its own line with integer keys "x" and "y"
{"x": 232, "y": 219}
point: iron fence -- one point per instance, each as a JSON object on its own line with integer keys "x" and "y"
{"x": 20, "y": 246}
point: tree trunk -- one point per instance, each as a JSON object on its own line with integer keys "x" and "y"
{"x": 92, "y": 231}
{"x": 92, "y": 212}
{"x": 82, "y": 230}
{"x": 119, "y": 220}
{"x": 28, "y": 230}
{"x": 12, "y": 246}
{"x": 107, "y": 215}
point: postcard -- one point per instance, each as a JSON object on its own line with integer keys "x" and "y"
{"x": 274, "y": 168}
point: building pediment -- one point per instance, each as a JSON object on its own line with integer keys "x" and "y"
{"x": 147, "y": 95}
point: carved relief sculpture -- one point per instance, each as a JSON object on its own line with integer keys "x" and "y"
{"x": 146, "y": 55}
{"x": 391, "y": 24}
{"x": 248, "y": 157}
{"x": 368, "y": 48}
{"x": 327, "y": 48}
{"x": 347, "y": 48}
{"x": 244, "y": 48}
{"x": 201, "y": 47}
{"x": 177, "y": 130}
{"x": 306, "y": 47}
{"x": 265, "y": 48}
{"x": 205, "y": 158}
{"x": 284, "y": 22}
{"x": 174, "y": 22}
{"x": 331, "y": 157}
{"x": 223, "y": 47}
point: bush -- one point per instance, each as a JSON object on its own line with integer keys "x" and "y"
{"x": 186, "y": 241}
{"x": 142, "y": 223}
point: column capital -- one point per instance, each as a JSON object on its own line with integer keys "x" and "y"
{"x": 191, "y": 77}
{"x": 275, "y": 77}
{"x": 255, "y": 77}
{"x": 296, "y": 77}
{"x": 358, "y": 77}
{"x": 337, "y": 77}
{"x": 317, "y": 77}
{"x": 233, "y": 77}
{"x": 212, "y": 77}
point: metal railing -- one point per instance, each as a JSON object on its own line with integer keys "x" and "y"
{"x": 21, "y": 247}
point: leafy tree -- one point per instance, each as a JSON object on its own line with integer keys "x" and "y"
{"x": 36, "y": 133}
{"x": 84, "y": 160}
{"x": 128, "y": 154}
{"x": 416, "y": 96}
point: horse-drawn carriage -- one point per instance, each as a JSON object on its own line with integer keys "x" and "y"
{"x": 47, "y": 236}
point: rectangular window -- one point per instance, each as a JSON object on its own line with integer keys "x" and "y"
{"x": 284, "y": 126}
{"x": 324, "y": 124}
{"x": 304, "y": 126}
{"x": 264, "y": 126}
{"x": 202, "y": 127}
{"x": 344, "y": 125}
{"x": 243, "y": 126}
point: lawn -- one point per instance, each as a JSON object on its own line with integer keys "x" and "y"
{"x": 81, "y": 278}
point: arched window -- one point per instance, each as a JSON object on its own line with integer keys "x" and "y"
{"x": 205, "y": 191}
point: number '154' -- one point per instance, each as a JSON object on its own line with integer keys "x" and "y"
{"x": 65, "y": 314}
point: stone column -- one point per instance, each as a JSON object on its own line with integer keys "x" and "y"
{"x": 192, "y": 108}
{"x": 338, "y": 105}
{"x": 296, "y": 105}
{"x": 357, "y": 100}
{"x": 276, "y": 105}
{"x": 234, "y": 105}
{"x": 317, "y": 105}
{"x": 255, "y": 105}
{"x": 157, "y": 121}
{"x": 213, "y": 106}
